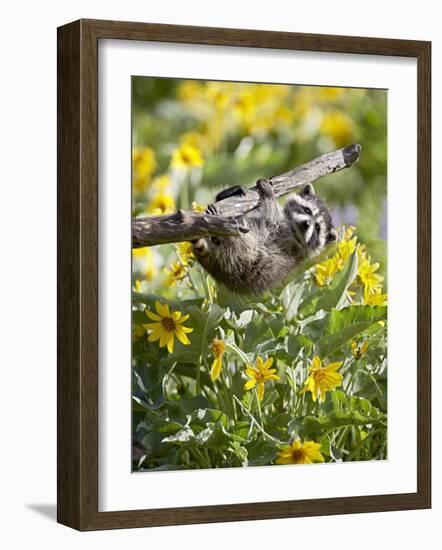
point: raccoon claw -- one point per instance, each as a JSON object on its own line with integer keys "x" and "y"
{"x": 265, "y": 188}
{"x": 212, "y": 210}
{"x": 235, "y": 191}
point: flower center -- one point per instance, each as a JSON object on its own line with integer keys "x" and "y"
{"x": 298, "y": 455}
{"x": 218, "y": 348}
{"x": 319, "y": 375}
{"x": 168, "y": 324}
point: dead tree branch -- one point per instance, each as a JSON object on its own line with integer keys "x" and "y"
{"x": 188, "y": 226}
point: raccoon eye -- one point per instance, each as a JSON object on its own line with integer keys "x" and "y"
{"x": 307, "y": 211}
{"x": 317, "y": 228}
{"x": 215, "y": 241}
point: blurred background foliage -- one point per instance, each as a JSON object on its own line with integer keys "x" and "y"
{"x": 192, "y": 138}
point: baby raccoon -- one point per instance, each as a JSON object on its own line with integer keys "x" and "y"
{"x": 278, "y": 241}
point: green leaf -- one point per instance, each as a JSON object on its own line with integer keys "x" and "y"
{"x": 314, "y": 426}
{"x": 261, "y": 452}
{"x": 256, "y": 332}
{"x": 291, "y": 298}
{"x": 345, "y": 324}
{"x": 201, "y": 417}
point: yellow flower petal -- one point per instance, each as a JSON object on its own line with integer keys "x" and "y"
{"x": 154, "y": 336}
{"x": 334, "y": 366}
{"x": 183, "y": 318}
{"x": 216, "y": 368}
{"x": 153, "y": 316}
{"x": 261, "y": 389}
{"x": 162, "y": 309}
{"x": 153, "y": 326}
{"x": 181, "y": 337}
{"x": 316, "y": 362}
{"x": 170, "y": 342}
{"x": 251, "y": 372}
{"x": 250, "y": 384}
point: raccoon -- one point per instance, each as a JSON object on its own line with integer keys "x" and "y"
{"x": 278, "y": 241}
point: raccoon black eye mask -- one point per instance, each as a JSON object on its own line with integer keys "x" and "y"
{"x": 278, "y": 240}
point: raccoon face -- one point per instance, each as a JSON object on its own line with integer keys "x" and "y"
{"x": 310, "y": 221}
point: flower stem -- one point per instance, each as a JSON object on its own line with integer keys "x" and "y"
{"x": 238, "y": 352}
{"x": 254, "y": 421}
{"x": 198, "y": 378}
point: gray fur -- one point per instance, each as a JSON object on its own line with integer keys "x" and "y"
{"x": 278, "y": 241}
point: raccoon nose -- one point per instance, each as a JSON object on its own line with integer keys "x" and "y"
{"x": 200, "y": 247}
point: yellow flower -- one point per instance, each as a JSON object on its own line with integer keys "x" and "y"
{"x": 325, "y": 271}
{"x": 144, "y": 262}
{"x": 338, "y": 126}
{"x": 375, "y": 298}
{"x": 349, "y": 232}
{"x": 361, "y": 252}
{"x": 167, "y": 326}
{"x": 141, "y": 252}
{"x": 161, "y": 182}
{"x": 198, "y": 207}
{"x": 144, "y": 165}
{"x": 218, "y": 94}
{"x": 189, "y": 89}
{"x": 187, "y": 156}
{"x": 137, "y": 332}
{"x": 218, "y": 349}
{"x": 300, "y": 453}
{"x": 162, "y": 203}
{"x": 137, "y": 286}
{"x": 260, "y": 375}
{"x": 358, "y": 351}
{"x": 185, "y": 252}
{"x": 175, "y": 273}
{"x": 322, "y": 379}
{"x": 328, "y": 94}
{"x": 345, "y": 249}
{"x": 245, "y": 104}
{"x": 370, "y": 279}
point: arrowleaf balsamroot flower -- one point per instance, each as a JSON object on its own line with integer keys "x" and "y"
{"x": 218, "y": 349}
{"x": 167, "y": 326}
{"x": 359, "y": 350}
{"x": 176, "y": 272}
{"x": 371, "y": 280}
{"x": 260, "y": 375}
{"x": 325, "y": 271}
{"x": 185, "y": 252}
{"x": 187, "y": 156}
{"x": 162, "y": 203}
{"x": 300, "y": 453}
{"x": 375, "y": 298}
{"x": 322, "y": 379}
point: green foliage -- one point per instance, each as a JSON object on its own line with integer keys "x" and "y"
{"x": 185, "y": 419}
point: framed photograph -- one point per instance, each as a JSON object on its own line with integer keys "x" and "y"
{"x": 243, "y": 275}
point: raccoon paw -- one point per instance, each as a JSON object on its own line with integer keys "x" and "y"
{"x": 212, "y": 210}
{"x": 265, "y": 188}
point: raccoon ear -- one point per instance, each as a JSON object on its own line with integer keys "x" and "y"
{"x": 332, "y": 236}
{"x": 308, "y": 190}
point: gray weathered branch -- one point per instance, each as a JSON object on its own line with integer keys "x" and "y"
{"x": 188, "y": 226}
